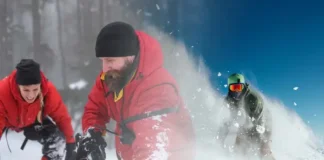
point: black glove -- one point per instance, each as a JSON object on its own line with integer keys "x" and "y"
{"x": 93, "y": 143}
{"x": 38, "y": 131}
{"x": 70, "y": 151}
{"x": 32, "y": 133}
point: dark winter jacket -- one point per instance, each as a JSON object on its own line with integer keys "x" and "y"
{"x": 151, "y": 89}
{"x": 258, "y": 119}
{"x": 251, "y": 103}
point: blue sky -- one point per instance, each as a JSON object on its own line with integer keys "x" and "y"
{"x": 278, "y": 45}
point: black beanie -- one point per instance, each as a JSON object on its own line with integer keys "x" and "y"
{"x": 117, "y": 39}
{"x": 28, "y": 72}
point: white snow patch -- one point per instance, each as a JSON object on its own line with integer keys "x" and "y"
{"x": 260, "y": 129}
{"x": 162, "y": 142}
{"x": 225, "y": 85}
{"x": 59, "y": 148}
{"x": 295, "y": 88}
{"x": 159, "y": 117}
{"x": 219, "y": 74}
{"x": 295, "y": 104}
{"x": 148, "y": 14}
{"x": 199, "y": 89}
{"x": 157, "y": 6}
{"x": 78, "y": 85}
{"x": 155, "y": 127}
{"x": 86, "y": 63}
{"x": 138, "y": 11}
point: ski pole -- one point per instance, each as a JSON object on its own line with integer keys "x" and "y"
{"x": 24, "y": 144}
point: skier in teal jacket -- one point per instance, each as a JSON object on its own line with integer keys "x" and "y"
{"x": 249, "y": 115}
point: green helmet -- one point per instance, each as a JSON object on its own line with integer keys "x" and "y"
{"x": 235, "y": 78}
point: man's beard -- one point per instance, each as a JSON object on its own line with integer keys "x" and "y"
{"x": 117, "y": 79}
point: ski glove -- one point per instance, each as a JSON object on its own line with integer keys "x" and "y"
{"x": 92, "y": 144}
{"x": 70, "y": 151}
{"x": 38, "y": 131}
{"x": 32, "y": 133}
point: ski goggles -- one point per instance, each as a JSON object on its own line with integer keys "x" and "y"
{"x": 238, "y": 87}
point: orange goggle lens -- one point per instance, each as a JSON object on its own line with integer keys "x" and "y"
{"x": 236, "y": 87}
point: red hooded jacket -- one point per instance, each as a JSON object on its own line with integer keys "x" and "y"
{"x": 170, "y": 136}
{"x": 15, "y": 113}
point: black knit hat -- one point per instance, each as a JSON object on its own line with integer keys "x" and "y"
{"x": 28, "y": 72}
{"x": 117, "y": 39}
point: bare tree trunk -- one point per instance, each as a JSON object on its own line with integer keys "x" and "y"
{"x": 88, "y": 30}
{"x": 60, "y": 43}
{"x": 5, "y": 38}
{"x": 3, "y": 33}
{"x": 101, "y": 12}
{"x": 36, "y": 27}
{"x": 84, "y": 29}
{"x": 79, "y": 17}
{"x": 87, "y": 19}
{"x": 80, "y": 43}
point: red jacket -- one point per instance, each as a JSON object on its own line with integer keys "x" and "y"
{"x": 152, "y": 88}
{"x": 15, "y": 113}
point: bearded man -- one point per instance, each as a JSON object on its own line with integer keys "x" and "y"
{"x": 136, "y": 91}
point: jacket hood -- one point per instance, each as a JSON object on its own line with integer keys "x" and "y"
{"x": 151, "y": 56}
